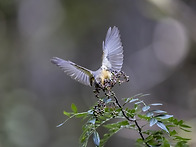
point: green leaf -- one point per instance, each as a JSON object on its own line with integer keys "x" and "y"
{"x": 149, "y": 138}
{"x": 139, "y": 142}
{"x": 117, "y": 124}
{"x": 123, "y": 123}
{"x": 66, "y": 113}
{"x": 180, "y": 122}
{"x": 96, "y": 138}
{"x": 88, "y": 130}
{"x": 143, "y": 117}
{"x": 173, "y": 120}
{"x": 185, "y": 126}
{"x": 185, "y": 130}
{"x": 172, "y": 133}
{"x": 165, "y": 143}
{"x": 162, "y": 126}
{"x": 74, "y": 108}
{"x": 181, "y": 138}
{"x": 83, "y": 114}
{"x": 107, "y": 136}
{"x": 113, "y": 128}
{"x": 169, "y": 126}
{"x": 153, "y": 121}
{"x": 181, "y": 144}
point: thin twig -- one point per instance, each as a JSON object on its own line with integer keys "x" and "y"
{"x": 132, "y": 120}
{"x": 108, "y": 84}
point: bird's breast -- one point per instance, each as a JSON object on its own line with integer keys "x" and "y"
{"x": 105, "y": 74}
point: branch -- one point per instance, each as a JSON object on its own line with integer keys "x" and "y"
{"x": 131, "y": 120}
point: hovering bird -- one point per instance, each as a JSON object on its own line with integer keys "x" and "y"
{"x": 112, "y": 60}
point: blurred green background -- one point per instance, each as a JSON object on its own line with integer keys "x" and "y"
{"x": 159, "y": 39}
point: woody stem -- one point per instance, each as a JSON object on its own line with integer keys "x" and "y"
{"x": 131, "y": 120}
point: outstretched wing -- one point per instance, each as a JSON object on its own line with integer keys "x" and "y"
{"x": 113, "y": 50}
{"x": 75, "y": 71}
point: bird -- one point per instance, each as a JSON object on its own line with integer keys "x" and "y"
{"x": 112, "y": 61}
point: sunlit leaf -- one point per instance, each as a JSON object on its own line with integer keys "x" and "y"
{"x": 60, "y": 125}
{"x": 159, "y": 111}
{"x": 162, "y": 126}
{"x": 143, "y": 95}
{"x": 139, "y": 94}
{"x": 156, "y": 104}
{"x": 149, "y": 114}
{"x": 164, "y": 116}
{"x": 96, "y": 138}
{"x": 133, "y": 100}
{"x": 92, "y": 121}
{"x": 153, "y": 121}
{"x": 90, "y": 111}
{"x": 106, "y": 100}
{"x": 139, "y": 102}
{"x": 66, "y": 113}
{"x": 74, "y": 108}
{"x": 145, "y": 108}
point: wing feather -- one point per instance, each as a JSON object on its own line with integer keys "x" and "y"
{"x": 112, "y": 50}
{"x": 75, "y": 71}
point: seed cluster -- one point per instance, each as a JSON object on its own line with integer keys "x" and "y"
{"x": 99, "y": 109}
{"x": 117, "y": 78}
